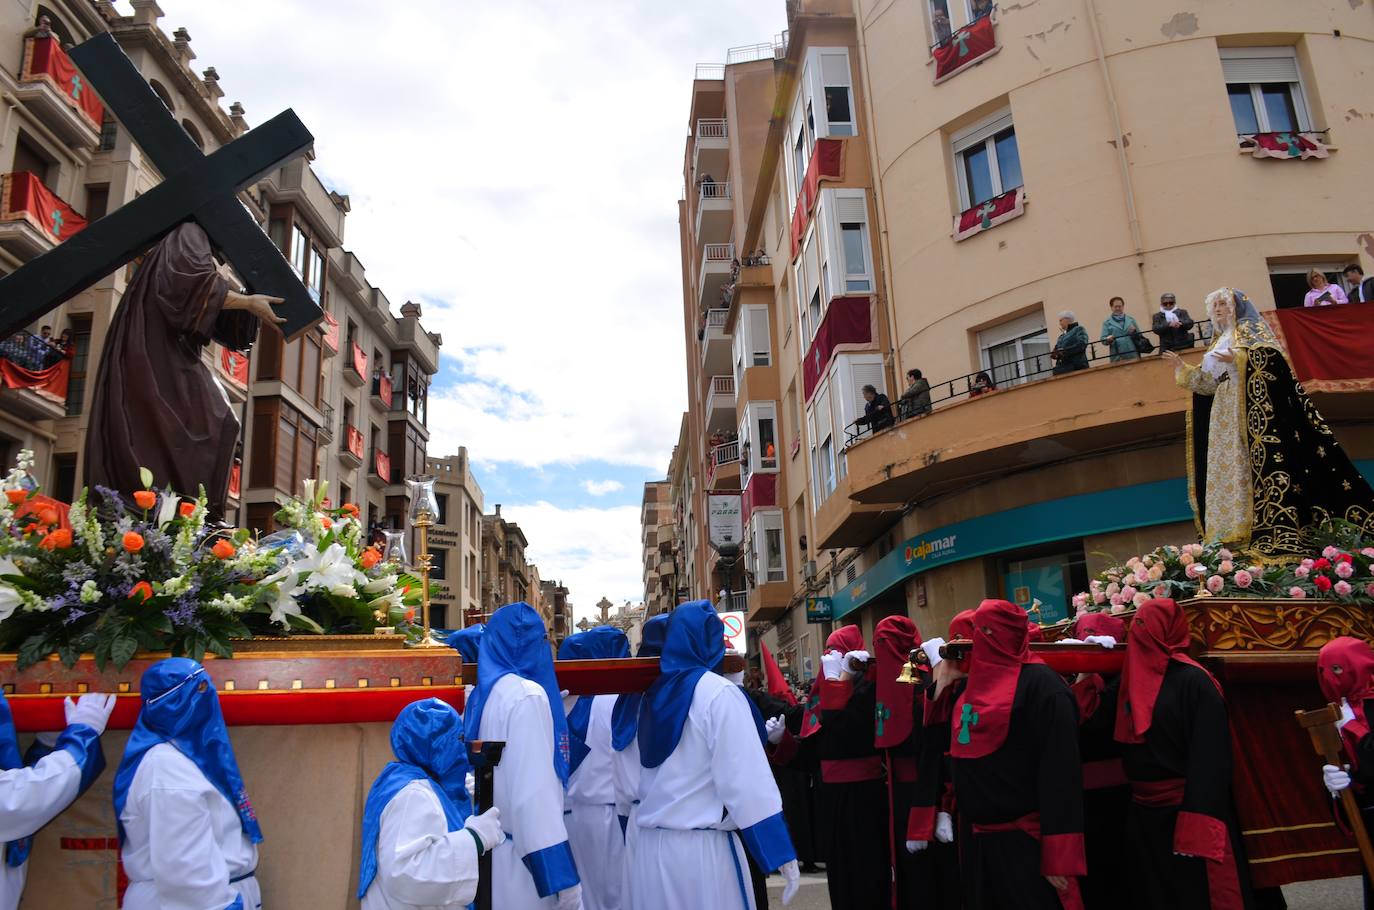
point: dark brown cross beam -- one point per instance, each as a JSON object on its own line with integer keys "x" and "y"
{"x": 195, "y": 187}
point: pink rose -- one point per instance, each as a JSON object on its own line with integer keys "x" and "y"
{"x": 1118, "y": 608}
{"x": 1148, "y": 561}
{"x": 1156, "y": 572}
{"x": 1095, "y": 585}
{"x": 1302, "y": 571}
{"x": 1308, "y": 563}
{"x": 1342, "y": 589}
{"x": 1256, "y": 570}
{"x": 1224, "y": 553}
{"x": 1140, "y": 599}
{"x": 1196, "y": 570}
{"x": 1099, "y": 597}
{"x": 1113, "y": 589}
{"x": 1080, "y": 601}
{"x": 1331, "y": 552}
{"x": 1127, "y": 593}
{"x": 1161, "y": 591}
{"x": 1116, "y": 601}
{"x": 1344, "y": 570}
{"x": 1369, "y": 589}
{"x": 1244, "y": 579}
{"x": 1186, "y": 558}
{"x": 1367, "y": 552}
{"x": 1141, "y": 579}
{"x": 1226, "y": 567}
{"x": 1215, "y": 584}
{"x": 1296, "y": 593}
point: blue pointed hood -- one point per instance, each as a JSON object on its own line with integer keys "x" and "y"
{"x": 467, "y": 642}
{"x": 427, "y": 739}
{"x": 625, "y": 715}
{"x": 515, "y": 641}
{"x": 695, "y": 645}
{"x": 599, "y": 643}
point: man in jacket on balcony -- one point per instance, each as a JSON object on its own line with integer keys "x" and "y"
{"x": 1172, "y": 324}
{"x": 1070, "y": 352}
{"x": 915, "y": 401}
{"x": 877, "y": 410}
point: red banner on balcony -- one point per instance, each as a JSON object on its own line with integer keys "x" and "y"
{"x": 23, "y": 197}
{"x": 1009, "y": 205}
{"x": 359, "y": 360}
{"x": 827, "y": 163}
{"x": 847, "y": 321}
{"x": 1285, "y": 145}
{"x": 355, "y": 442}
{"x": 965, "y": 47}
{"x": 50, "y": 382}
{"x": 235, "y": 365}
{"x": 45, "y": 60}
{"x": 1328, "y": 346}
{"x": 331, "y": 335}
{"x": 236, "y": 479}
{"x": 384, "y": 389}
{"x": 382, "y": 465}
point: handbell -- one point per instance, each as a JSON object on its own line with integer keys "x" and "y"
{"x": 916, "y": 670}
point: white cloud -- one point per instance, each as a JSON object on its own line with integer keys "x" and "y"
{"x": 602, "y": 487}
{"x": 595, "y": 552}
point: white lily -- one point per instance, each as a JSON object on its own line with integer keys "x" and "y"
{"x": 7, "y": 566}
{"x": 331, "y": 570}
{"x": 10, "y": 600}
{"x": 167, "y": 509}
{"x": 284, "y": 601}
{"x": 378, "y": 585}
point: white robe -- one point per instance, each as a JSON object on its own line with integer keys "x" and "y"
{"x": 421, "y": 865}
{"x": 184, "y": 842}
{"x": 625, "y": 772}
{"x": 527, "y": 789}
{"x": 686, "y": 854}
{"x": 593, "y": 829}
{"x": 29, "y": 799}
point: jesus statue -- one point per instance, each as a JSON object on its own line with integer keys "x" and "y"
{"x": 1263, "y": 466}
{"x": 156, "y": 404}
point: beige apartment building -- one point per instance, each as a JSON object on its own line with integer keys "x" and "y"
{"x": 456, "y": 542}
{"x": 505, "y": 575}
{"x": 1039, "y": 158}
{"x": 559, "y": 611}
{"x": 658, "y": 535}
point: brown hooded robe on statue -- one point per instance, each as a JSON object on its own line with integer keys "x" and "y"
{"x": 156, "y": 404}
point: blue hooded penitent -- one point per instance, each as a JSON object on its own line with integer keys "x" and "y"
{"x": 695, "y": 645}
{"x": 625, "y": 715}
{"x": 427, "y": 740}
{"x": 600, "y": 643}
{"x": 467, "y": 641}
{"x": 181, "y": 708}
{"x": 515, "y": 641}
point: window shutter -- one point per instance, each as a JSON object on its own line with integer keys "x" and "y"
{"x": 1281, "y": 67}
{"x": 822, "y": 412}
{"x": 850, "y": 207}
{"x": 835, "y": 67}
{"x": 758, "y": 334}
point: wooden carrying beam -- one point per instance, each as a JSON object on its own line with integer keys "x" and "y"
{"x": 1326, "y": 739}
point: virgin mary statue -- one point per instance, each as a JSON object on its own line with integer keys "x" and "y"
{"x": 1263, "y": 466}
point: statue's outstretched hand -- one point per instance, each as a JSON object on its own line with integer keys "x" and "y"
{"x": 260, "y": 305}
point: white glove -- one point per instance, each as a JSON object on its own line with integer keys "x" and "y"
{"x": 831, "y": 664}
{"x": 1347, "y": 714}
{"x": 568, "y": 899}
{"x": 470, "y": 784}
{"x": 487, "y": 827}
{"x": 568, "y": 700}
{"x": 1336, "y": 779}
{"x": 1070, "y": 641}
{"x": 791, "y": 880}
{"x": 854, "y": 661}
{"x": 775, "y": 727}
{"x": 1105, "y": 641}
{"x": 916, "y": 846}
{"x": 944, "y": 828}
{"x": 932, "y": 648}
{"x": 93, "y": 710}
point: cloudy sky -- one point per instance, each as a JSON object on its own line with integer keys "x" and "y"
{"x": 514, "y": 167}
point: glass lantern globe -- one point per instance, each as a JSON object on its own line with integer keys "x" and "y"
{"x": 395, "y": 548}
{"x": 424, "y": 505}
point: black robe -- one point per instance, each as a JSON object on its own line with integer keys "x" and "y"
{"x": 949, "y": 866}
{"x": 1190, "y": 740}
{"x": 156, "y": 404}
{"x": 858, "y": 868}
{"x": 1036, "y": 770}
{"x": 1104, "y": 807}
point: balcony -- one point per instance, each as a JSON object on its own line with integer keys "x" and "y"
{"x": 381, "y": 390}
{"x": 355, "y": 371}
{"x": 666, "y": 567}
{"x": 720, "y": 403}
{"x": 55, "y": 92}
{"x": 379, "y": 468}
{"x": 715, "y": 343}
{"x": 711, "y": 148}
{"x": 722, "y": 467}
{"x": 717, "y": 271}
{"x": 715, "y": 212}
{"x": 33, "y": 378}
{"x": 768, "y": 601}
{"x": 33, "y": 219}
{"x": 351, "y": 452}
{"x": 326, "y": 428}
{"x": 330, "y": 332}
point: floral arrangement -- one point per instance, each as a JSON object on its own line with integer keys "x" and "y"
{"x": 147, "y": 572}
{"x": 1340, "y": 568}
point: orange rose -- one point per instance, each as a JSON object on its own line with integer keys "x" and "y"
{"x": 327, "y": 522}
{"x": 145, "y": 499}
{"x": 351, "y": 510}
{"x": 60, "y": 539}
{"x": 133, "y": 541}
{"x": 370, "y": 557}
{"x": 47, "y": 515}
{"x": 410, "y": 615}
{"x": 16, "y": 496}
{"x": 223, "y": 549}
{"x": 141, "y": 591}
{"x": 186, "y": 508}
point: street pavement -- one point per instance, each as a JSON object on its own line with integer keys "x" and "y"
{"x": 1333, "y": 894}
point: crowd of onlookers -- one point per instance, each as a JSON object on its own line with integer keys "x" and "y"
{"x": 38, "y": 352}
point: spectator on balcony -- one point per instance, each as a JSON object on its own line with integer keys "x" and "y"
{"x": 1070, "y": 352}
{"x": 1323, "y": 292}
{"x": 41, "y": 350}
{"x": 1121, "y": 332}
{"x": 981, "y": 8}
{"x": 1361, "y": 288}
{"x": 915, "y": 400}
{"x": 66, "y": 345}
{"x": 982, "y": 384}
{"x": 707, "y": 185}
{"x": 939, "y": 24}
{"x": 1172, "y": 324}
{"x": 877, "y": 410}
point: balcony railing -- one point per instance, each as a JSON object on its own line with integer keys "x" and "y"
{"x": 719, "y": 252}
{"x": 739, "y": 601}
{"x": 1035, "y": 368}
{"x": 710, "y": 71}
{"x": 723, "y": 385}
{"x": 716, "y": 319}
{"x": 381, "y": 465}
{"x": 358, "y": 361}
{"x": 326, "y": 427}
{"x": 712, "y": 129}
{"x": 46, "y": 61}
{"x": 23, "y": 197}
{"x": 715, "y": 191}
{"x": 353, "y": 441}
{"x": 381, "y": 389}
{"x": 29, "y": 362}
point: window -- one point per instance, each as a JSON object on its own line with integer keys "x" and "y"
{"x": 844, "y": 214}
{"x": 835, "y": 81}
{"x": 1288, "y": 280}
{"x": 822, "y": 430}
{"x": 439, "y": 563}
{"x": 109, "y": 133}
{"x": 316, "y": 283}
{"x": 751, "y": 341}
{"x": 986, "y": 160}
{"x": 1265, "y": 89}
{"x": 194, "y": 133}
{"x": 759, "y": 433}
{"x": 29, "y": 156}
{"x": 769, "y": 562}
{"x": 299, "y": 247}
{"x": 81, "y": 361}
{"x": 442, "y": 517}
{"x": 64, "y": 476}
{"x": 848, "y": 376}
{"x": 946, "y": 18}
{"x": 97, "y": 201}
{"x": 163, "y": 95}
{"x": 1016, "y": 350}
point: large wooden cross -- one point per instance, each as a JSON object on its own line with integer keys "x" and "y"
{"x": 195, "y": 187}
